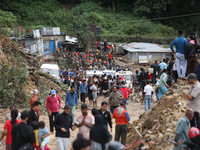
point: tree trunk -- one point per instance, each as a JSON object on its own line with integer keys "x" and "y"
{"x": 113, "y": 6}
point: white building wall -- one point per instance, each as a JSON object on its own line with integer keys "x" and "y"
{"x": 152, "y": 56}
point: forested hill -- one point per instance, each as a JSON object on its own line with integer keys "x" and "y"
{"x": 115, "y": 17}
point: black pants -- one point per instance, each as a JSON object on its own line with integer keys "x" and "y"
{"x": 51, "y": 120}
{"x": 83, "y": 96}
{"x": 175, "y": 75}
{"x": 121, "y": 131}
{"x": 195, "y": 121}
{"x": 154, "y": 78}
{"x": 109, "y": 60}
{"x": 112, "y": 108}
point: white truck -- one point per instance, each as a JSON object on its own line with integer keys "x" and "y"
{"x": 51, "y": 68}
{"x": 128, "y": 76}
{"x": 94, "y": 72}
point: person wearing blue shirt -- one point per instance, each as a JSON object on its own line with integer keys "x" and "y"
{"x": 83, "y": 89}
{"x": 72, "y": 100}
{"x": 163, "y": 65}
{"x": 66, "y": 73}
{"x": 180, "y": 44}
{"x": 71, "y": 73}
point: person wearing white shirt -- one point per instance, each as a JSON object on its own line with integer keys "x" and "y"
{"x": 95, "y": 90}
{"x": 8, "y": 116}
{"x": 148, "y": 92}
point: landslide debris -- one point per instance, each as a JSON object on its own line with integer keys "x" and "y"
{"x": 10, "y": 53}
{"x": 159, "y": 123}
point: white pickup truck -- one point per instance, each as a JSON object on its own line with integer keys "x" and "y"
{"x": 52, "y": 69}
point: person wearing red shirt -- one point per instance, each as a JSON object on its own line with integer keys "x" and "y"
{"x": 125, "y": 91}
{"x": 33, "y": 99}
{"x": 110, "y": 57}
{"x": 122, "y": 118}
{"x": 8, "y": 129}
{"x": 97, "y": 44}
{"x": 53, "y": 107}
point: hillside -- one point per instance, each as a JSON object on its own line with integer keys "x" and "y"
{"x": 19, "y": 76}
{"x": 51, "y": 13}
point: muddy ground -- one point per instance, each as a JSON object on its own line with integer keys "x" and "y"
{"x": 134, "y": 109}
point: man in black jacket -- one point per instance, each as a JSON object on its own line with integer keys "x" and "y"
{"x": 106, "y": 115}
{"x": 156, "y": 70}
{"x": 62, "y": 124}
{"x": 22, "y": 133}
{"x": 33, "y": 115}
{"x": 191, "y": 51}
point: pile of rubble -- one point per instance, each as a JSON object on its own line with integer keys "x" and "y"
{"x": 159, "y": 123}
{"x": 36, "y": 78}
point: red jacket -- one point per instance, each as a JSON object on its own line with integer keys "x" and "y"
{"x": 109, "y": 56}
{"x": 125, "y": 91}
{"x": 121, "y": 116}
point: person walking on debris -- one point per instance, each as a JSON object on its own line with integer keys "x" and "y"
{"x": 63, "y": 123}
{"x": 84, "y": 122}
{"x": 83, "y": 89}
{"x": 109, "y": 57}
{"x": 175, "y": 73}
{"x": 163, "y": 65}
{"x": 156, "y": 71}
{"x": 53, "y": 107}
{"x": 148, "y": 92}
{"x": 182, "y": 129}
{"x": 180, "y": 44}
{"x": 72, "y": 100}
{"x": 191, "y": 54}
{"x": 122, "y": 118}
{"x": 114, "y": 99}
{"x": 162, "y": 86}
{"x": 194, "y": 99}
{"x": 33, "y": 99}
{"x": 105, "y": 46}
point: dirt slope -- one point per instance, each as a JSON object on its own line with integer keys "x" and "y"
{"x": 159, "y": 123}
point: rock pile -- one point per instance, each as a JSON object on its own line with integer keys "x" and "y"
{"x": 159, "y": 123}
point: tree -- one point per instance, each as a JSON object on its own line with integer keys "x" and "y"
{"x": 81, "y": 30}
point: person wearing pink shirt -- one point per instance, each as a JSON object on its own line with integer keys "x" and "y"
{"x": 53, "y": 107}
{"x": 84, "y": 122}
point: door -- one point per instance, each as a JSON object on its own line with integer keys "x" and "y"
{"x": 52, "y": 46}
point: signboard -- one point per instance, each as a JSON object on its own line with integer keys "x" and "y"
{"x": 36, "y": 34}
{"x": 50, "y": 31}
{"x": 50, "y": 38}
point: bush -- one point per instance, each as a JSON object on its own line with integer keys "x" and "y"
{"x": 12, "y": 80}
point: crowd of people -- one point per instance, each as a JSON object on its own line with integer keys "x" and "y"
{"x": 27, "y": 130}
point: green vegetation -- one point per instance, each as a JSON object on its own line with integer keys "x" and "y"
{"x": 36, "y": 14}
{"x": 12, "y": 80}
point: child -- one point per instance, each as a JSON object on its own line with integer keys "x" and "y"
{"x": 175, "y": 71}
{"x": 148, "y": 92}
{"x": 43, "y": 131}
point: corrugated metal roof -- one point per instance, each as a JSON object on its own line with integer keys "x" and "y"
{"x": 144, "y": 47}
